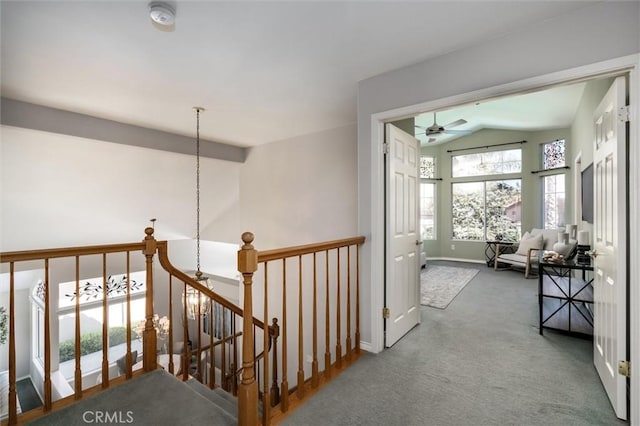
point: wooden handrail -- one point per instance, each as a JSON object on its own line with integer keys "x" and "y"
{"x": 26, "y": 255}
{"x": 166, "y": 264}
{"x": 283, "y": 253}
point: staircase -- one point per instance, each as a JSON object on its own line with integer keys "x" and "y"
{"x": 311, "y": 294}
{"x": 156, "y": 398}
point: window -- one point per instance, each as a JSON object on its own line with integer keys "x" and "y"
{"x": 553, "y": 155}
{"x": 427, "y": 198}
{"x": 487, "y": 163}
{"x": 91, "y": 319}
{"x": 553, "y": 205}
{"x": 487, "y": 210}
{"x": 553, "y": 186}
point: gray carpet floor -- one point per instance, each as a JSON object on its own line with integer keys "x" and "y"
{"x": 480, "y": 361}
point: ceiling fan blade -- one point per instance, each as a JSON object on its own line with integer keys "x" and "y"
{"x": 456, "y": 123}
{"x": 458, "y": 132}
{"x": 420, "y": 127}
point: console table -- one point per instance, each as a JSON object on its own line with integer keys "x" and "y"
{"x": 566, "y": 301}
{"x": 490, "y": 250}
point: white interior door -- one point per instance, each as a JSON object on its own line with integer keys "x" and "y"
{"x": 610, "y": 316}
{"x": 402, "y": 291}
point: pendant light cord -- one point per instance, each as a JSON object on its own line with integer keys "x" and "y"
{"x": 198, "y": 110}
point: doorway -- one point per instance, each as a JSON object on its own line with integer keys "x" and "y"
{"x": 613, "y": 67}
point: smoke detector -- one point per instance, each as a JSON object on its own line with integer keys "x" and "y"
{"x": 162, "y": 13}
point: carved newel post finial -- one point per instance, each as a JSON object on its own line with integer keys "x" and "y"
{"x": 247, "y": 239}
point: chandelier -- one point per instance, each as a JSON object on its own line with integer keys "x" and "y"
{"x": 196, "y": 303}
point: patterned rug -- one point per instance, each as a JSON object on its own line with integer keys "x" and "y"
{"x": 439, "y": 285}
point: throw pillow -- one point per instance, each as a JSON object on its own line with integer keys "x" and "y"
{"x": 530, "y": 242}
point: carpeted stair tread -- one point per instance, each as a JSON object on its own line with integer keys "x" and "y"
{"x": 228, "y": 404}
{"x": 155, "y": 398}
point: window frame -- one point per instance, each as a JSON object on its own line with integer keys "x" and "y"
{"x": 429, "y": 180}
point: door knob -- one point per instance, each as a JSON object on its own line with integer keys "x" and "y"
{"x": 593, "y": 253}
{"x": 418, "y": 242}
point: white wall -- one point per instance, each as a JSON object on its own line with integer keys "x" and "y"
{"x": 22, "y": 325}
{"x": 594, "y": 33}
{"x": 60, "y": 190}
{"x": 301, "y": 190}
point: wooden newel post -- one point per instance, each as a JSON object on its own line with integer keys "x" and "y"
{"x": 149, "y": 337}
{"x": 248, "y": 389}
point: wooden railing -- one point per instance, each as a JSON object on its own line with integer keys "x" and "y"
{"x": 336, "y": 288}
{"x": 330, "y": 293}
{"x": 219, "y": 354}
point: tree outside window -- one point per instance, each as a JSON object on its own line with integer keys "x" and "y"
{"x": 553, "y": 205}
{"x": 427, "y": 198}
{"x": 487, "y": 210}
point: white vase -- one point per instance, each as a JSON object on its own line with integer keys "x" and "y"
{"x": 572, "y": 230}
{"x": 563, "y": 246}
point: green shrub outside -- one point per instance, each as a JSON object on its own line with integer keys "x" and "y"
{"x": 92, "y": 342}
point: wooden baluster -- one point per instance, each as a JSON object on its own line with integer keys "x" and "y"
{"x": 300, "y": 386}
{"x": 186, "y": 351}
{"x": 129, "y": 360}
{"x": 348, "y": 303}
{"x": 235, "y": 351}
{"x": 275, "y": 390}
{"x": 248, "y": 392}
{"x": 105, "y": 325}
{"x": 327, "y": 329}
{"x": 315, "y": 378}
{"x": 150, "y": 338}
{"x": 284, "y": 405}
{"x": 338, "y": 308}
{"x": 199, "y": 350}
{"x": 223, "y": 354}
{"x": 47, "y": 339}
{"x": 77, "y": 354}
{"x": 13, "y": 406}
{"x": 266, "y": 335}
{"x": 170, "y": 335}
{"x": 212, "y": 361}
{"x": 357, "y": 299}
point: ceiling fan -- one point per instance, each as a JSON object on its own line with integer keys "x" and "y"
{"x": 436, "y": 129}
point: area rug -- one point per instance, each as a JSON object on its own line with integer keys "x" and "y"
{"x": 439, "y": 285}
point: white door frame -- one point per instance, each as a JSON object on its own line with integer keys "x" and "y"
{"x": 629, "y": 63}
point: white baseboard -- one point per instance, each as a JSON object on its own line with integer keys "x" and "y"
{"x": 457, "y": 259}
{"x": 366, "y": 346}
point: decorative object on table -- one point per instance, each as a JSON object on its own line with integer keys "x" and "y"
{"x": 572, "y": 230}
{"x": 583, "y": 254}
{"x": 196, "y": 303}
{"x": 439, "y": 285}
{"x": 563, "y": 246}
{"x": 553, "y": 257}
{"x": 583, "y": 238}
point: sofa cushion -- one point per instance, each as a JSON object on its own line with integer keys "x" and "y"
{"x": 531, "y": 241}
{"x": 549, "y": 237}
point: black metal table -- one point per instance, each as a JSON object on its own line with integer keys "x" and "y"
{"x": 491, "y": 248}
{"x": 566, "y": 301}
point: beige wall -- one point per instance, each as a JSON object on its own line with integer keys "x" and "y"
{"x": 301, "y": 190}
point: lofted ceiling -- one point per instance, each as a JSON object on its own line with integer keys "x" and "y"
{"x": 264, "y": 70}
{"x": 553, "y": 108}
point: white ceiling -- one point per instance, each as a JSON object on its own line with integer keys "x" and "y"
{"x": 553, "y": 108}
{"x": 264, "y": 70}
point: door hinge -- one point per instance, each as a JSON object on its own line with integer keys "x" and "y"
{"x": 624, "y": 114}
{"x": 386, "y": 314}
{"x": 385, "y": 148}
{"x": 624, "y": 368}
